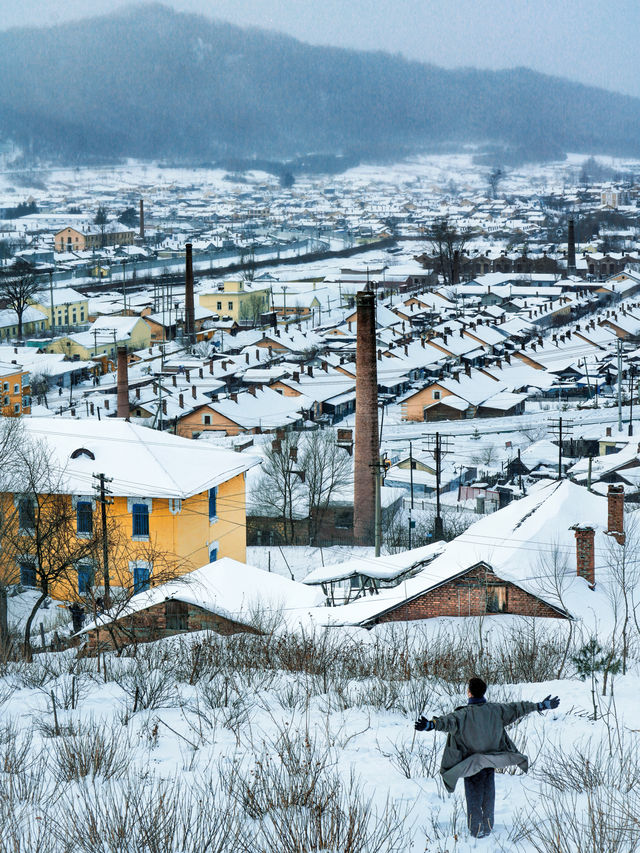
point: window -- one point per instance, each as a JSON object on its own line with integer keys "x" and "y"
{"x": 206, "y": 420}
{"x": 230, "y": 306}
{"x": 436, "y": 395}
{"x": 219, "y": 306}
{"x": 213, "y": 503}
{"x": 28, "y": 575}
{"x": 140, "y": 516}
{"x": 16, "y": 389}
{"x": 26, "y": 514}
{"x": 5, "y": 386}
{"x": 84, "y": 518}
{"x": 85, "y": 577}
{"x": 213, "y": 552}
{"x": 176, "y": 616}
{"x": 141, "y": 571}
{"x": 16, "y": 408}
{"x": 344, "y": 519}
{"x": 496, "y": 599}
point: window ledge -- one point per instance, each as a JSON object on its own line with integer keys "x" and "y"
{"x": 140, "y": 538}
{"x": 84, "y": 535}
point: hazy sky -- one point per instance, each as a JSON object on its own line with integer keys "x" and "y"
{"x": 593, "y": 41}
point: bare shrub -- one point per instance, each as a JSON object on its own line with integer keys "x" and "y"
{"x": 146, "y": 687}
{"x": 417, "y": 758}
{"x": 608, "y": 822}
{"x": 95, "y": 751}
{"x": 591, "y": 764}
{"x": 148, "y": 816}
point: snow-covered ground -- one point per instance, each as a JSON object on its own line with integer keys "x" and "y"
{"x": 267, "y": 741}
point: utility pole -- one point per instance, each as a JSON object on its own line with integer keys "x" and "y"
{"x": 124, "y": 289}
{"x": 377, "y": 473}
{"x": 103, "y": 500}
{"x": 631, "y": 391}
{"x": 619, "y": 385}
{"x": 437, "y": 451}
{"x": 561, "y": 431}
{"x": 53, "y": 316}
{"x": 411, "y": 480}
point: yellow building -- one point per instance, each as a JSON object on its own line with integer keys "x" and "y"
{"x": 104, "y": 336}
{"x": 70, "y": 308}
{"x": 173, "y": 502}
{"x": 15, "y": 399}
{"x": 239, "y": 300}
{"x": 90, "y": 236}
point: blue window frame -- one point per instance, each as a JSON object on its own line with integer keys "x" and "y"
{"x": 213, "y": 503}
{"x": 28, "y": 576}
{"x": 84, "y": 517}
{"x": 141, "y": 575}
{"x": 140, "y": 516}
{"x": 213, "y": 554}
{"x": 85, "y": 578}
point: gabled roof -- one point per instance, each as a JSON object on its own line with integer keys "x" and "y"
{"x": 140, "y": 461}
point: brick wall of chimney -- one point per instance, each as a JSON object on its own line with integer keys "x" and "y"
{"x": 615, "y": 512}
{"x": 585, "y": 554}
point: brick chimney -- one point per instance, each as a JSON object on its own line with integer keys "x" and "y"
{"x": 367, "y": 452}
{"x": 181, "y": 400}
{"x": 189, "y": 311}
{"x": 141, "y": 219}
{"x": 585, "y": 554}
{"x": 193, "y": 391}
{"x": 615, "y": 513}
{"x": 123, "y": 383}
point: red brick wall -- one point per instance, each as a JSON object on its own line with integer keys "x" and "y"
{"x": 466, "y": 596}
{"x": 150, "y": 624}
{"x": 615, "y": 505}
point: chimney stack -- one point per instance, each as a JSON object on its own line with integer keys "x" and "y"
{"x": 571, "y": 253}
{"x": 615, "y": 513}
{"x": 123, "y": 383}
{"x": 141, "y": 219}
{"x": 367, "y": 452}
{"x": 189, "y": 311}
{"x": 585, "y": 554}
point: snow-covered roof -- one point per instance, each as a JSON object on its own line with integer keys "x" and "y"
{"x": 380, "y": 568}
{"x": 140, "y": 461}
{"x": 231, "y": 589}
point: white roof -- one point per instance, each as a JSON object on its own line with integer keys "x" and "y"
{"x": 381, "y": 568}
{"x": 140, "y": 461}
{"x": 230, "y": 589}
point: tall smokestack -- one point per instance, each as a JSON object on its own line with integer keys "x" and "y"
{"x": 571, "y": 253}
{"x": 141, "y": 219}
{"x": 189, "y": 312}
{"x": 123, "y": 383}
{"x": 366, "y": 456}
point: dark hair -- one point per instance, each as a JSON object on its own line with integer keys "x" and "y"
{"x": 477, "y": 687}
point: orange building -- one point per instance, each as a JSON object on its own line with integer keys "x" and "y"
{"x": 15, "y": 399}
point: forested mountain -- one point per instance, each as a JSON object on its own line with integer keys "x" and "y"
{"x": 150, "y": 82}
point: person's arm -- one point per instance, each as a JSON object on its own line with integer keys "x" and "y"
{"x": 512, "y": 711}
{"x": 446, "y": 723}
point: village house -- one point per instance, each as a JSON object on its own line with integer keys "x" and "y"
{"x": 15, "y": 391}
{"x": 503, "y": 564}
{"x": 90, "y": 236}
{"x": 172, "y": 500}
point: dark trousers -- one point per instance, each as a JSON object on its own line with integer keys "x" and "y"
{"x": 480, "y": 790}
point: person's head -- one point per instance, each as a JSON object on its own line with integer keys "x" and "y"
{"x": 476, "y": 688}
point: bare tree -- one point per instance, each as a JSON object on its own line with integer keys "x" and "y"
{"x": 253, "y": 307}
{"x": 495, "y": 177}
{"x": 280, "y": 490}
{"x": 448, "y": 244}
{"x": 40, "y": 545}
{"x": 327, "y": 469}
{"x": 17, "y": 289}
{"x": 11, "y": 437}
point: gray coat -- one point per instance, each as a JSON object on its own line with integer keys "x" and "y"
{"x": 477, "y": 739}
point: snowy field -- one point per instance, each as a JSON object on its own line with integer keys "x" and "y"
{"x": 305, "y": 742}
